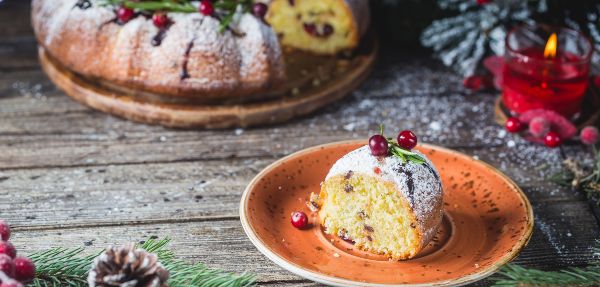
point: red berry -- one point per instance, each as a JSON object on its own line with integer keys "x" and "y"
{"x": 473, "y": 83}
{"x": 4, "y": 230}
{"x": 589, "y": 135}
{"x": 11, "y": 284}
{"x": 259, "y": 10}
{"x": 552, "y": 140}
{"x": 483, "y": 2}
{"x": 206, "y": 8}
{"x": 160, "y": 20}
{"x": 7, "y": 265}
{"x": 125, "y": 14}
{"x": 24, "y": 269}
{"x": 299, "y": 219}
{"x": 310, "y": 29}
{"x": 8, "y": 249}
{"x": 407, "y": 140}
{"x": 378, "y": 145}
{"x": 539, "y": 126}
{"x": 513, "y": 125}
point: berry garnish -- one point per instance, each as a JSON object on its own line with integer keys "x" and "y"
{"x": 24, "y": 269}
{"x": 125, "y": 14}
{"x": 539, "y": 126}
{"x": 378, "y": 145}
{"x": 259, "y": 10}
{"x": 8, "y": 249}
{"x": 4, "y": 230}
{"x": 513, "y": 125}
{"x": 589, "y": 136}
{"x": 6, "y": 265}
{"x": 160, "y": 20}
{"x": 299, "y": 219}
{"x": 407, "y": 140}
{"x": 206, "y": 8}
{"x": 327, "y": 30}
{"x": 552, "y": 139}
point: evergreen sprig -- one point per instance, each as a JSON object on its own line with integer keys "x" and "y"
{"x": 69, "y": 267}
{"x": 403, "y": 154}
{"x": 225, "y": 9}
{"x": 515, "y": 275}
{"x": 580, "y": 178}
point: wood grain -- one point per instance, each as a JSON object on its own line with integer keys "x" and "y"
{"x": 69, "y": 175}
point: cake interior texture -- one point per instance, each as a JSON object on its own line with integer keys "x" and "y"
{"x": 324, "y": 26}
{"x": 371, "y": 213}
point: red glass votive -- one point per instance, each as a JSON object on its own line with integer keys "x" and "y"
{"x": 532, "y": 79}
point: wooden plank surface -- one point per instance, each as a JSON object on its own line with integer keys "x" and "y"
{"x": 70, "y": 176}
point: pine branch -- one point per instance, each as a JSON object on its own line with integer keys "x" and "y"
{"x": 69, "y": 267}
{"x": 515, "y": 275}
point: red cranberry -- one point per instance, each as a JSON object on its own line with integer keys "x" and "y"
{"x": 7, "y": 265}
{"x": 206, "y": 8}
{"x": 378, "y": 145}
{"x": 483, "y": 2}
{"x": 327, "y": 30}
{"x": 24, "y": 269}
{"x": 407, "y": 140}
{"x": 473, "y": 83}
{"x": 160, "y": 20}
{"x": 513, "y": 125}
{"x": 259, "y": 10}
{"x": 552, "y": 140}
{"x": 310, "y": 28}
{"x": 299, "y": 219}
{"x": 589, "y": 136}
{"x": 4, "y": 230}
{"x": 8, "y": 249}
{"x": 125, "y": 14}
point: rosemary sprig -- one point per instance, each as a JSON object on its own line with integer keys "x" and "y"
{"x": 225, "y": 9}
{"x": 515, "y": 275}
{"x": 69, "y": 267}
{"x": 396, "y": 150}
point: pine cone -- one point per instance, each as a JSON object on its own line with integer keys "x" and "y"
{"x": 127, "y": 267}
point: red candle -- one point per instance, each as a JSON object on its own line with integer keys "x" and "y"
{"x": 550, "y": 74}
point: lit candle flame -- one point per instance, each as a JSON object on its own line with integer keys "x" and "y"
{"x": 550, "y": 50}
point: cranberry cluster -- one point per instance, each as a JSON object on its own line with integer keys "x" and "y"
{"x": 550, "y": 128}
{"x": 380, "y": 147}
{"x": 15, "y": 270}
{"x": 206, "y": 7}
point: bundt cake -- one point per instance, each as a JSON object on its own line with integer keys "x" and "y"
{"x": 207, "y": 50}
{"x": 324, "y": 26}
{"x": 386, "y": 205}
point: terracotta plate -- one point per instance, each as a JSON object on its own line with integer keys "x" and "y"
{"x": 487, "y": 222}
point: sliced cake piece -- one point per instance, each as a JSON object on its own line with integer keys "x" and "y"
{"x": 384, "y": 204}
{"x": 324, "y": 26}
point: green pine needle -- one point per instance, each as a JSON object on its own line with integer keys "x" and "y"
{"x": 69, "y": 267}
{"x": 515, "y": 275}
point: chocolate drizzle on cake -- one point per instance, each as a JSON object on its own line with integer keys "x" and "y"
{"x": 409, "y": 180}
{"x": 83, "y": 4}
{"x": 158, "y": 38}
{"x": 186, "y": 57}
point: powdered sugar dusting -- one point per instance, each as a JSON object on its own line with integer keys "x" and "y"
{"x": 419, "y": 183}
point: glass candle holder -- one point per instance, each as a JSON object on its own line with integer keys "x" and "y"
{"x": 546, "y": 67}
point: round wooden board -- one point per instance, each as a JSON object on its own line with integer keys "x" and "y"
{"x": 293, "y": 102}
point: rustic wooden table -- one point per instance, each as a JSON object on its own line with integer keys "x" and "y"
{"x": 71, "y": 176}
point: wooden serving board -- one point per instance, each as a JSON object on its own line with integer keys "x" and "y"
{"x": 313, "y": 82}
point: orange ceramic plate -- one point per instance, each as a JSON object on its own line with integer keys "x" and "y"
{"x": 487, "y": 222}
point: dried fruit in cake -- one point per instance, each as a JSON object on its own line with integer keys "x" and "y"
{"x": 388, "y": 205}
{"x": 324, "y": 26}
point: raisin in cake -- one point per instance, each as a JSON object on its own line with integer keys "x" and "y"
{"x": 324, "y": 26}
{"x": 383, "y": 204}
{"x": 190, "y": 57}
